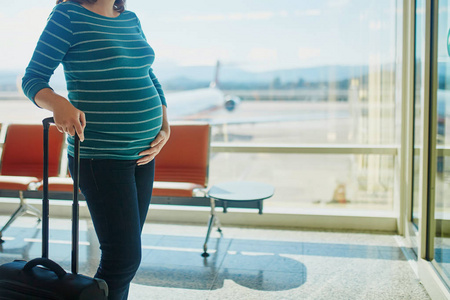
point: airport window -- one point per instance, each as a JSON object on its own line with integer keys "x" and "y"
{"x": 312, "y": 75}
{"x": 307, "y": 73}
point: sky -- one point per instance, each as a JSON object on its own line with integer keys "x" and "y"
{"x": 256, "y": 35}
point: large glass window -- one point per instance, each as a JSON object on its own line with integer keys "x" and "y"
{"x": 442, "y": 175}
{"x": 306, "y": 73}
{"x": 419, "y": 70}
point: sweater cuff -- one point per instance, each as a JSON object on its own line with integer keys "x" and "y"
{"x": 163, "y": 100}
{"x": 35, "y": 89}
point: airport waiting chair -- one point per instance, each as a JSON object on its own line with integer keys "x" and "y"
{"x": 22, "y": 160}
{"x": 181, "y": 168}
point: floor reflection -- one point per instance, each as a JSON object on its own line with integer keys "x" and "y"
{"x": 252, "y": 263}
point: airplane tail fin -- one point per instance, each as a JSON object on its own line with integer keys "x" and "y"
{"x": 215, "y": 83}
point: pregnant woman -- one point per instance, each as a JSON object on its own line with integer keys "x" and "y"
{"x": 117, "y": 107}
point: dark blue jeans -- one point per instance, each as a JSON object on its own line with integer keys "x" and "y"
{"x": 118, "y": 194}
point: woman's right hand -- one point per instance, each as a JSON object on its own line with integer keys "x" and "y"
{"x": 68, "y": 119}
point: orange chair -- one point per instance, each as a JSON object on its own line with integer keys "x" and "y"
{"x": 182, "y": 165}
{"x": 22, "y": 162}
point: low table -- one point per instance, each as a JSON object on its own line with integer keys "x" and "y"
{"x": 234, "y": 191}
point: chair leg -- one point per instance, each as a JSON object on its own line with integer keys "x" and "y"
{"x": 212, "y": 220}
{"x": 23, "y": 208}
{"x": 205, "y": 245}
{"x": 33, "y": 211}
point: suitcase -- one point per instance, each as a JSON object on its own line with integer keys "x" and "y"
{"x": 42, "y": 278}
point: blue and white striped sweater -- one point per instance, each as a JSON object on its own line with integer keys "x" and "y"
{"x": 107, "y": 64}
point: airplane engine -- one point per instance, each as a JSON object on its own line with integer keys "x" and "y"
{"x": 231, "y": 102}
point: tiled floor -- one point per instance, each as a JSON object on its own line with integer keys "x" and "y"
{"x": 245, "y": 263}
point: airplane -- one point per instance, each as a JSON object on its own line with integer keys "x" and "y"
{"x": 200, "y": 105}
{"x": 188, "y": 104}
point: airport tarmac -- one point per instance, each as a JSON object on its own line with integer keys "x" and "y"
{"x": 300, "y": 180}
{"x": 325, "y": 181}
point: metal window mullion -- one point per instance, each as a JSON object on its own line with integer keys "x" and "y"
{"x": 304, "y": 149}
{"x": 432, "y": 134}
{"x": 425, "y": 118}
{"x": 406, "y": 153}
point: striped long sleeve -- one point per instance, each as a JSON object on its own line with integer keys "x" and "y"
{"x": 108, "y": 69}
{"x": 53, "y": 45}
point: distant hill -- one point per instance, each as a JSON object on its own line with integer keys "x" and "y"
{"x": 181, "y": 78}
{"x": 230, "y": 74}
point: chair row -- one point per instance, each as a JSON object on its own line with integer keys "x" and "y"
{"x": 184, "y": 159}
{"x": 181, "y": 167}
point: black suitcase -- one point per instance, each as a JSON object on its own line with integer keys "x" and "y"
{"x": 28, "y": 280}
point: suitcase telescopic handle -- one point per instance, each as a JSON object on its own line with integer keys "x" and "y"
{"x": 45, "y": 203}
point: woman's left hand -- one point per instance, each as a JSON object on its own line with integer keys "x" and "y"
{"x": 155, "y": 147}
